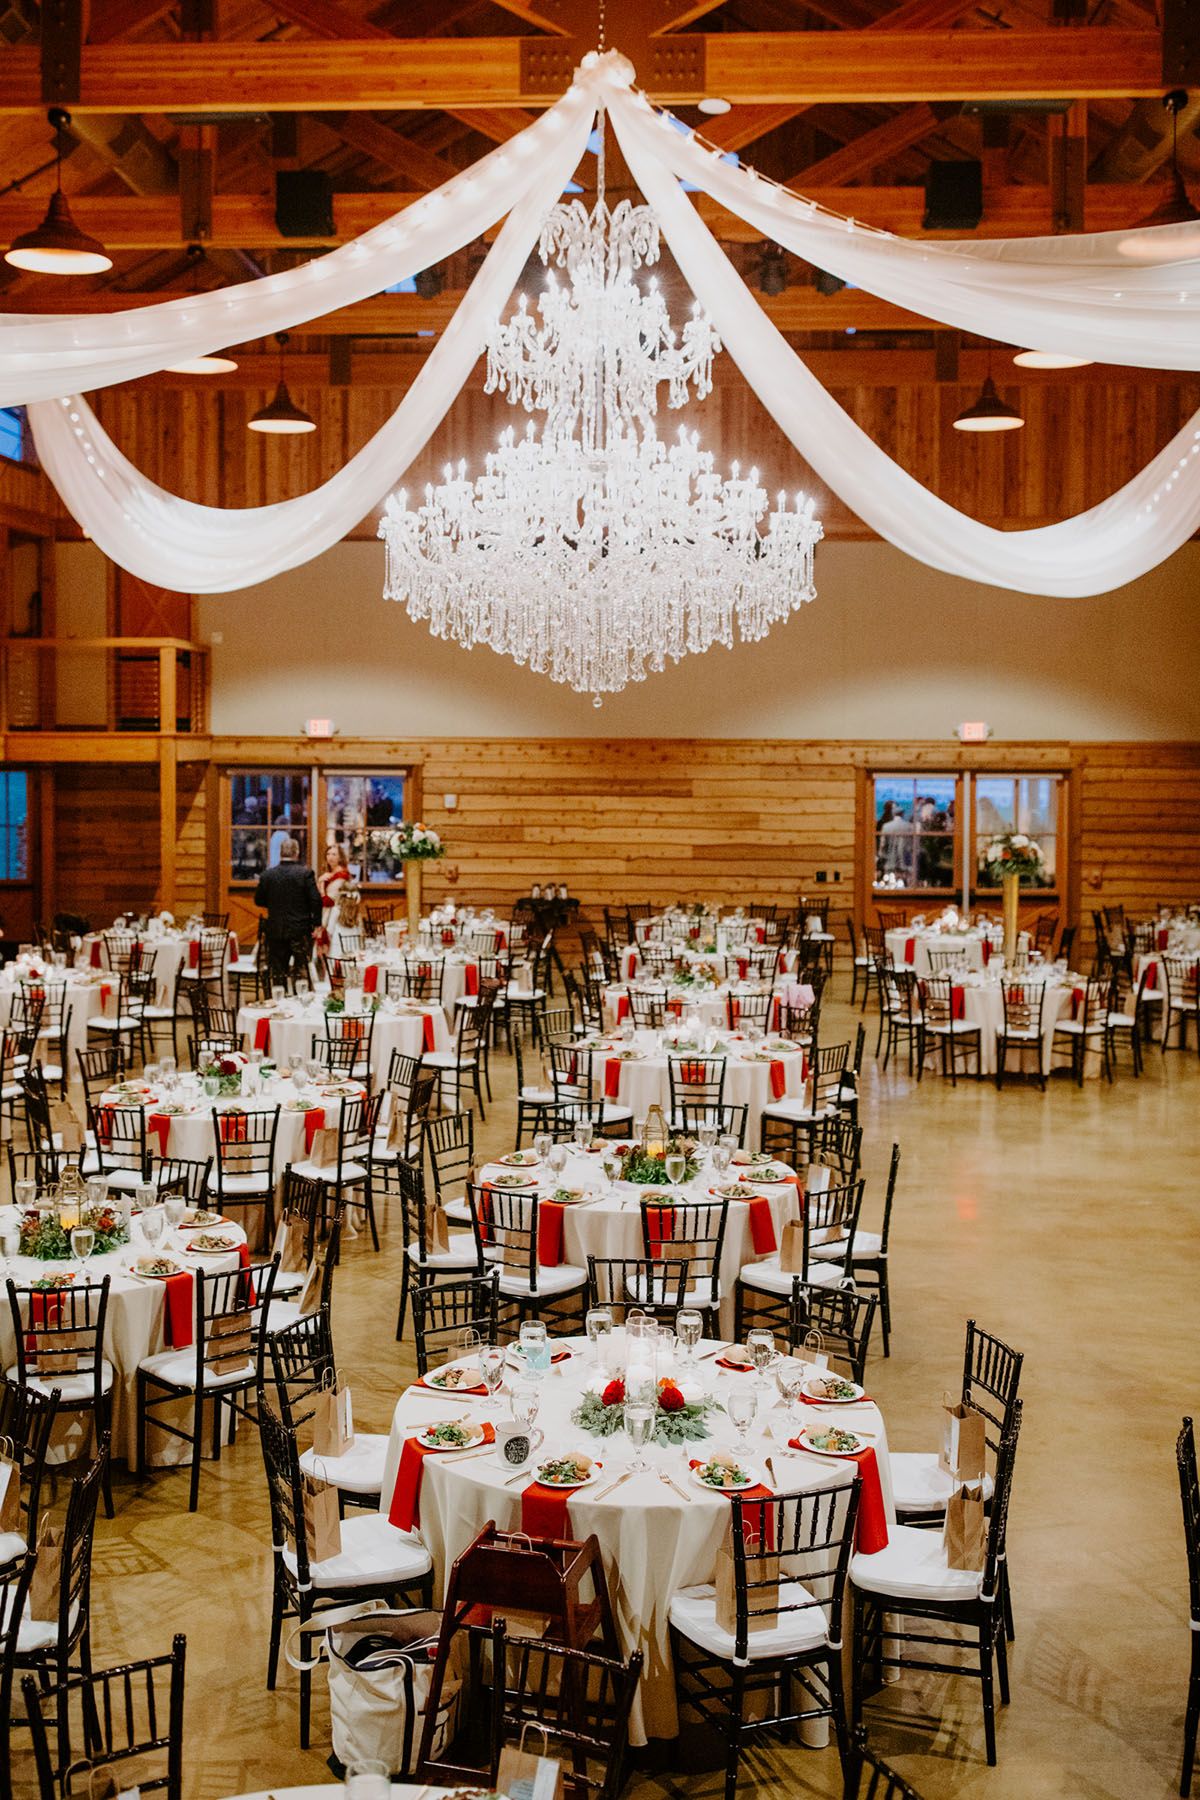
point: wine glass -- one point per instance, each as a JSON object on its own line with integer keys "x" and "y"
{"x": 97, "y": 1193}
{"x": 689, "y": 1329}
{"x": 628, "y": 1030}
{"x": 760, "y": 1347}
{"x": 277, "y": 993}
{"x": 491, "y": 1367}
{"x": 153, "y": 1225}
{"x": 610, "y": 1162}
{"x": 598, "y": 1325}
{"x": 707, "y": 1134}
{"x": 556, "y": 1161}
{"x": 639, "y": 1426}
{"x": 24, "y": 1195}
{"x": 675, "y": 1164}
{"x": 212, "y": 1087}
{"x": 83, "y": 1237}
{"x": 175, "y": 1206}
{"x": 535, "y": 1346}
{"x": 543, "y": 1143}
{"x": 789, "y": 1379}
{"x": 582, "y": 1133}
{"x": 150, "y": 1073}
{"x": 742, "y": 1407}
{"x": 524, "y": 1400}
{"x": 368, "y": 1781}
{"x": 720, "y": 1159}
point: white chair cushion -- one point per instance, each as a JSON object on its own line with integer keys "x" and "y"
{"x": 795, "y": 1109}
{"x": 74, "y": 1389}
{"x": 918, "y": 1485}
{"x": 12, "y": 1545}
{"x": 40, "y": 1634}
{"x": 242, "y": 1185}
{"x": 544, "y": 1095}
{"x": 281, "y": 1314}
{"x": 953, "y": 1026}
{"x": 694, "y": 1614}
{"x": 159, "y": 1012}
{"x": 913, "y": 1567}
{"x": 460, "y": 1255}
{"x": 558, "y": 1278}
{"x": 1028, "y": 1033}
{"x": 1076, "y": 1027}
{"x": 372, "y": 1551}
{"x": 1125, "y": 1020}
{"x": 867, "y": 1247}
{"x": 440, "y": 1059}
{"x": 360, "y": 1471}
{"x": 458, "y": 1211}
{"x": 349, "y": 1172}
{"x": 698, "y": 1294}
{"x": 178, "y": 1369}
{"x": 769, "y": 1278}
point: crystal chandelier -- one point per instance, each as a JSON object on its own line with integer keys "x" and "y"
{"x": 594, "y": 552}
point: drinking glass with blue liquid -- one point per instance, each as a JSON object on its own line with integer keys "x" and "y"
{"x": 535, "y": 1347}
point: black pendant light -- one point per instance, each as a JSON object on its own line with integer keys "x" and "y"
{"x": 57, "y": 246}
{"x": 990, "y": 412}
{"x": 282, "y": 416}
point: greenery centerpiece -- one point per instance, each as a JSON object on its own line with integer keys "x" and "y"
{"x": 649, "y": 1167}
{"x": 677, "y": 1420}
{"x": 44, "y": 1236}
{"x": 414, "y": 844}
{"x": 1008, "y": 859}
{"x": 226, "y": 1071}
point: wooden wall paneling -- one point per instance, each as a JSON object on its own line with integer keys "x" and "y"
{"x": 106, "y": 838}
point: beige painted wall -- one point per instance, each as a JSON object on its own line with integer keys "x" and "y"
{"x": 889, "y": 649}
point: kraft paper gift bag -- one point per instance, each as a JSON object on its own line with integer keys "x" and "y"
{"x": 791, "y": 1248}
{"x": 333, "y": 1418}
{"x": 43, "y": 1589}
{"x": 523, "y": 1775}
{"x": 964, "y": 1533}
{"x": 763, "y": 1601}
{"x": 290, "y": 1240}
{"x": 324, "y": 1152}
{"x": 964, "y": 1443}
{"x": 322, "y": 1525}
{"x": 10, "y": 1487}
{"x": 437, "y": 1231}
{"x": 234, "y": 1332}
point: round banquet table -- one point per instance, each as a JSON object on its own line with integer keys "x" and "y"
{"x": 727, "y": 963}
{"x": 291, "y": 1028}
{"x": 749, "y": 1076}
{"x": 983, "y": 1005}
{"x": 170, "y": 950}
{"x": 922, "y": 942}
{"x": 652, "y": 1541}
{"x": 608, "y": 1222}
{"x": 709, "y": 1004}
{"x": 133, "y": 1329}
{"x": 454, "y": 968}
{"x": 87, "y": 997}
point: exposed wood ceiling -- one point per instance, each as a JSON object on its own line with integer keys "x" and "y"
{"x": 850, "y": 101}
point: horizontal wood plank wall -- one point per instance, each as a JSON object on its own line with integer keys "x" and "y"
{"x": 106, "y": 839}
{"x": 191, "y": 840}
{"x": 196, "y": 443}
{"x": 1139, "y": 840}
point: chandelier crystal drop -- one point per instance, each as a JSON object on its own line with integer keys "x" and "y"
{"x": 591, "y": 551}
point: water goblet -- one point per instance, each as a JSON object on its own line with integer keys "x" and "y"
{"x": 150, "y": 1073}
{"x": 535, "y": 1347}
{"x": 556, "y": 1161}
{"x": 368, "y": 1781}
{"x": 742, "y": 1407}
{"x": 707, "y": 1134}
{"x": 278, "y": 991}
{"x": 610, "y": 1162}
{"x": 524, "y": 1400}
{"x": 145, "y": 1195}
{"x": 153, "y": 1224}
{"x": 543, "y": 1143}
{"x": 491, "y": 1367}
{"x": 175, "y": 1206}
{"x": 789, "y": 1379}
{"x": 24, "y": 1195}
{"x": 675, "y": 1163}
{"x": 598, "y": 1325}
{"x": 83, "y": 1237}
{"x": 720, "y": 1158}
{"x": 689, "y": 1329}
{"x": 627, "y": 1033}
{"x": 96, "y": 1192}
{"x": 167, "y": 1067}
{"x": 582, "y": 1133}
{"x": 760, "y": 1348}
{"x": 212, "y": 1087}
{"x": 639, "y": 1428}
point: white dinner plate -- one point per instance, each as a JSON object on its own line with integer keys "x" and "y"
{"x": 725, "y": 1488}
{"x": 811, "y": 1391}
{"x": 474, "y": 1435}
{"x": 568, "y": 1487}
{"x": 521, "y": 1159}
{"x": 508, "y": 1183}
{"x": 156, "y": 1275}
{"x": 806, "y": 1443}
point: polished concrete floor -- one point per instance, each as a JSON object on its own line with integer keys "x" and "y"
{"x": 1066, "y": 1223}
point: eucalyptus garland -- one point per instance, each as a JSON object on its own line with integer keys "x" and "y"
{"x": 43, "y": 1236}
{"x": 679, "y": 1421}
{"x": 649, "y": 1168}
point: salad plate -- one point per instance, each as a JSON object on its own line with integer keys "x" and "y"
{"x": 567, "y": 1472}
{"x": 450, "y": 1434}
{"x": 454, "y": 1379}
{"x": 521, "y": 1159}
{"x": 725, "y": 1475}
{"x": 156, "y": 1268}
{"x": 512, "y": 1181}
{"x": 826, "y": 1389}
{"x": 832, "y": 1440}
{"x": 208, "y": 1243}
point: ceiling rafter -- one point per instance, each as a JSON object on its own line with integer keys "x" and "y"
{"x": 391, "y": 148}
{"x": 874, "y": 147}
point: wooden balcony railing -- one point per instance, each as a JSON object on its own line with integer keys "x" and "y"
{"x": 104, "y": 684}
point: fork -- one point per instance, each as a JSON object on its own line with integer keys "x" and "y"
{"x": 671, "y": 1482}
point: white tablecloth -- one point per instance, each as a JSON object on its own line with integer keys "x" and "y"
{"x": 133, "y": 1327}
{"x": 643, "y": 1079}
{"x": 171, "y": 950}
{"x": 292, "y": 1034}
{"x": 983, "y": 1005}
{"x": 923, "y": 941}
{"x": 652, "y": 1541}
{"x": 85, "y": 996}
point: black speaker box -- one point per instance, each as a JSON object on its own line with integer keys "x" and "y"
{"x": 303, "y": 203}
{"x": 953, "y": 196}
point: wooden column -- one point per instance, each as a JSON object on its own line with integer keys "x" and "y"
{"x": 168, "y": 823}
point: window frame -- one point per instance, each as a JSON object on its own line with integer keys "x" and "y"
{"x": 327, "y": 773}
{"x": 6, "y": 773}
{"x": 234, "y": 772}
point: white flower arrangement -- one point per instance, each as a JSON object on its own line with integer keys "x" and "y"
{"x": 1013, "y": 853}
{"x": 415, "y": 843}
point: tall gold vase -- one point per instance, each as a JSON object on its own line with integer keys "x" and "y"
{"x": 1012, "y": 889}
{"x": 412, "y": 889}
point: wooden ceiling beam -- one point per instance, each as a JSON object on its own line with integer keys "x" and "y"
{"x": 117, "y": 18}
{"x": 391, "y": 148}
{"x": 498, "y": 123}
{"x": 247, "y": 221}
{"x": 894, "y": 136}
{"x": 803, "y": 68}
{"x": 746, "y": 124}
{"x": 327, "y": 20}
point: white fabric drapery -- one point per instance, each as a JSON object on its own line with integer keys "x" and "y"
{"x": 1053, "y": 293}
{"x": 43, "y": 358}
{"x": 210, "y": 550}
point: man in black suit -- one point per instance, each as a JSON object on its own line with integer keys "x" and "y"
{"x": 292, "y": 902}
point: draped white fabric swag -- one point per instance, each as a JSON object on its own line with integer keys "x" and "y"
{"x": 1075, "y": 295}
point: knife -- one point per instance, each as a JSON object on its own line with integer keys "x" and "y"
{"x": 613, "y": 1485}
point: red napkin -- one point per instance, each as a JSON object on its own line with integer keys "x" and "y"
{"x": 660, "y": 1226}
{"x": 262, "y": 1035}
{"x": 622, "y": 1007}
{"x": 957, "y": 1002}
{"x": 447, "y": 936}
{"x": 760, "y": 933}
{"x": 483, "y": 1212}
{"x": 370, "y": 978}
{"x": 910, "y": 950}
{"x": 1076, "y": 1001}
{"x": 752, "y": 1532}
{"x": 612, "y": 1079}
{"x": 694, "y": 931}
{"x": 97, "y": 963}
{"x": 739, "y": 1368}
{"x": 160, "y": 1123}
{"x": 692, "y": 1073}
{"x": 1160, "y": 942}
{"x": 104, "y": 1124}
{"x": 471, "y": 978}
{"x": 234, "y": 948}
{"x": 193, "y": 954}
{"x": 244, "y": 1259}
{"x": 233, "y": 1128}
{"x": 427, "y": 1037}
{"x": 405, "y": 1510}
{"x": 778, "y": 1080}
{"x": 676, "y": 1007}
{"x": 775, "y": 1016}
{"x": 550, "y": 1234}
{"x": 105, "y": 995}
{"x": 1151, "y": 975}
{"x": 743, "y": 963}
{"x": 733, "y": 1010}
{"x": 871, "y": 1533}
{"x": 544, "y": 1509}
{"x": 501, "y": 941}
{"x": 178, "y": 1330}
{"x": 762, "y": 1226}
{"x": 314, "y": 1121}
{"x": 987, "y": 951}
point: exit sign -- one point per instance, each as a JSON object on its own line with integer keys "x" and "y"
{"x": 319, "y": 728}
{"x": 975, "y": 732}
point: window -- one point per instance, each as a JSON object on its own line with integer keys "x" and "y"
{"x": 14, "y": 825}
{"x": 12, "y": 434}
{"x": 362, "y": 813}
{"x": 915, "y": 831}
{"x": 266, "y": 806}
{"x": 1027, "y": 803}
